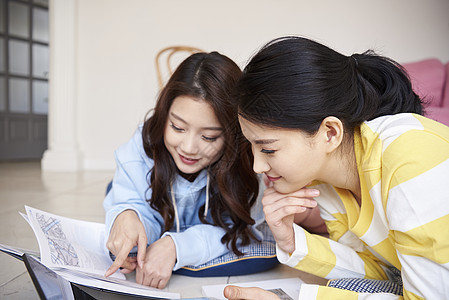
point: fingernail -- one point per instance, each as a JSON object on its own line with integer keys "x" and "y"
{"x": 315, "y": 192}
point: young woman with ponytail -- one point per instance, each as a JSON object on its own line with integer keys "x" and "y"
{"x": 349, "y": 133}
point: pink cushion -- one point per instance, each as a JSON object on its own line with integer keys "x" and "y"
{"x": 428, "y": 79}
{"x": 440, "y": 114}
{"x": 445, "y": 102}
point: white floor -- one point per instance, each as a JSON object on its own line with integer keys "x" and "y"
{"x": 75, "y": 195}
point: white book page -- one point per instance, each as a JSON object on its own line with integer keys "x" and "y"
{"x": 69, "y": 243}
{"x": 286, "y": 289}
{"x": 113, "y": 284}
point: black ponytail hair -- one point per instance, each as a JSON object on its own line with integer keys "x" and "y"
{"x": 294, "y": 82}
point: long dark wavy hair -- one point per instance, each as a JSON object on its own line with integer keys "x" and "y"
{"x": 210, "y": 77}
{"x": 294, "y": 82}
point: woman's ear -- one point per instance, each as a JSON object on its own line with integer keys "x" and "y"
{"x": 332, "y": 131}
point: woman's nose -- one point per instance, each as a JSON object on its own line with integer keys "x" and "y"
{"x": 189, "y": 145}
{"x": 260, "y": 165}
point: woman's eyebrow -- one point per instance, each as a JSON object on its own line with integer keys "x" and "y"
{"x": 177, "y": 117}
{"x": 264, "y": 142}
{"x": 204, "y": 128}
{"x": 213, "y": 128}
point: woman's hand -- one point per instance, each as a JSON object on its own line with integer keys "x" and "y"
{"x": 131, "y": 262}
{"x": 127, "y": 232}
{"x": 159, "y": 262}
{"x": 311, "y": 221}
{"x": 280, "y": 210}
{"x": 232, "y": 292}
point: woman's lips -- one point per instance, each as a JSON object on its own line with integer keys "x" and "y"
{"x": 273, "y": 178}
{"x": 188, "y": 161}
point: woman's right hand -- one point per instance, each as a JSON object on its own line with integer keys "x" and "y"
{"x": 280, "y": 210}
{"x": 126, "y": 232}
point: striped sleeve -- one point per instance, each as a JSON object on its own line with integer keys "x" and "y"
{"x": 345, "y": 254}
{"x": 329, "y": 259}
{"x": 418, "y": 210}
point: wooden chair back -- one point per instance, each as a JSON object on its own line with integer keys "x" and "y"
{"x": 164, "y": 69}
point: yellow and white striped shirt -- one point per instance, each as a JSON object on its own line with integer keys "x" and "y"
{"x": 403, "y": 220}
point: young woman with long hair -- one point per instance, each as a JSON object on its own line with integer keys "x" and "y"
{"x": 184, "y": 186}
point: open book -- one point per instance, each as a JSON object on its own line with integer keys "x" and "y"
{"x": 75, "y": 250}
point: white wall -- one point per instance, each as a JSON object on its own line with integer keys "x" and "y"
{"x": 116, "y": 42}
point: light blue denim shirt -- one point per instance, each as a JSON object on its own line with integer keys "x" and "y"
{"x": 196, "y": 243}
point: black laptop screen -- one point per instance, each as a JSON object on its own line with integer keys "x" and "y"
{"x": 48, "y": 284}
